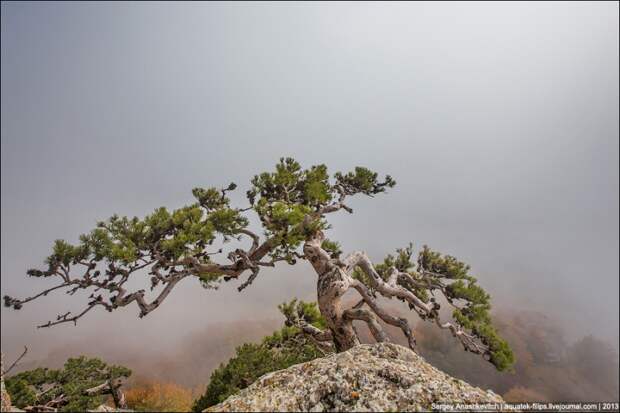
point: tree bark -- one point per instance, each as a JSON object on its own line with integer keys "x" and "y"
{"x": 332, "y": 284}
{"x": 335, "y": 279}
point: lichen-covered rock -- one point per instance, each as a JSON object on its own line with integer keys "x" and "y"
{"x": 378, "y": 377}
{"x": 5, "y": 399}
{"x": 5, "y": 405}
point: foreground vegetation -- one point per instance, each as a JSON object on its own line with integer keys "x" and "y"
{"x": 82, "y": 384}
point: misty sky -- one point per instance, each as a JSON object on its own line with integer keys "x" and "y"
{"x": 498, "y": 121}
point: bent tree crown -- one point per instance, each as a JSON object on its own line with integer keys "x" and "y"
{"x": 292, "y": 204}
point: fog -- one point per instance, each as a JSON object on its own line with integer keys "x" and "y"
{"x": 499, "y": 123}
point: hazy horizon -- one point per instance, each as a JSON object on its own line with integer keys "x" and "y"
{"x": 499, "y": 123}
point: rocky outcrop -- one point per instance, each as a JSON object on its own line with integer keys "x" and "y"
{"x": 378, "y": 377}
{"x": 5, "y": 398}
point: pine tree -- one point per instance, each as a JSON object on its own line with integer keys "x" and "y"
{"x": 293, "y": 205}
{"x": 82, "y": 384}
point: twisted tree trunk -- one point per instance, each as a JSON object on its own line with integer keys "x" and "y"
{"x": 332, "y": 284}
{"x": 335, "y": 279}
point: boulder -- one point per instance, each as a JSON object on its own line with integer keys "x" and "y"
{"x": 369, "y": 377}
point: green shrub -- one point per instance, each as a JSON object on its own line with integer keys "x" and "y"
{"x": 278, "y": 351}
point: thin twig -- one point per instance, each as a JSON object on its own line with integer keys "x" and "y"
{"x": 16, "y": 361}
